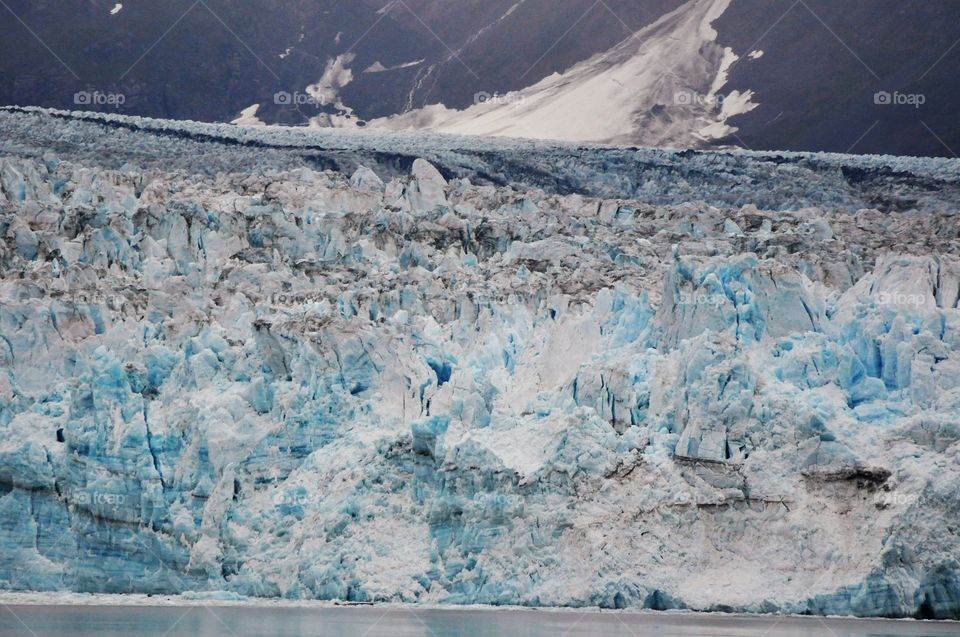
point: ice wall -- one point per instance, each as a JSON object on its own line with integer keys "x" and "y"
{"x": 311, "y": 384}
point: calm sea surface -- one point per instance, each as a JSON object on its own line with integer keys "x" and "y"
{"x": 225, "y": 621}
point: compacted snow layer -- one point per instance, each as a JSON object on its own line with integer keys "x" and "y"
{"x": 282, "y": 382}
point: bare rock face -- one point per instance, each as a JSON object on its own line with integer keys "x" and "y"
{"x": 339, "y": 385}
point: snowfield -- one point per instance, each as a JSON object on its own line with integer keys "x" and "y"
{"x": 417, "y": 368}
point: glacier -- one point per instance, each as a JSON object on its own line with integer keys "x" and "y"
{"x": 420, "y": 368}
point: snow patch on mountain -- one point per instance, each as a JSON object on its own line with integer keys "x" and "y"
{"x": 659, "y": 87}
{"x": 326, "y": 91}
{"x": 248, "y": 117}
{"x": 378, "y": 67}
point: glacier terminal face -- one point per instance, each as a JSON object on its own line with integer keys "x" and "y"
{"x": 723, "y": 381}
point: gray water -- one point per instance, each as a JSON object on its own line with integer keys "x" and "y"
{"x": 221, "y": 621}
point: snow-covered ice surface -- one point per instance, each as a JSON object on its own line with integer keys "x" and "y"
{"x": 522, "y": 374}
